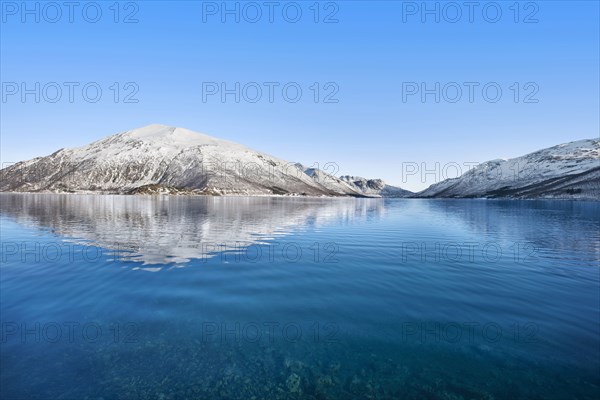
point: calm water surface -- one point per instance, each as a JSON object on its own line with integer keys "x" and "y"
{"x": 119, "y": 297}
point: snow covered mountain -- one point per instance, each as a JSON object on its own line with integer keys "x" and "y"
{"x": 569, "y": 170}
{"x": 374, "y": 187}
{"x": 164, "y": 159}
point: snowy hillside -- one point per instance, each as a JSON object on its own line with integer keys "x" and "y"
{"x": 570, "y": 170}
{"x": 374, "y": 187}
{"x": 163, "y": 159}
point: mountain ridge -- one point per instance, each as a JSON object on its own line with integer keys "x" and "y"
{"x": 161, "y": 159}
{"x": 568, "y": 170}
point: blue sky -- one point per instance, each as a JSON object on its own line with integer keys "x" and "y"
{"x": 371, "y": 61}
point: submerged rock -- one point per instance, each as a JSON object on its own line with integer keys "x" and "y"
{"x": 293, "y": 383}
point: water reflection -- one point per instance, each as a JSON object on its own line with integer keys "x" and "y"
{"x": 170, "y": 229}
{"x": 549, "y": 226}
{"x": 157, "y": 230}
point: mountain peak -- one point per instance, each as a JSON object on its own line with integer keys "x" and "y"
{"x": 171, "y": 135}
{"x": 155, "y": 129}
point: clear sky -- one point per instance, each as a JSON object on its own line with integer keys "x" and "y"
{"x": 371, "y": 62}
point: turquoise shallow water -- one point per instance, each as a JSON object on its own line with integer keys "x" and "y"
{"x": 240, "y": 298}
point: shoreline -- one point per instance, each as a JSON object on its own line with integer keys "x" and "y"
{"x": 295, "y": 196}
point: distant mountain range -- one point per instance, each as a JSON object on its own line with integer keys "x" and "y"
{"x": 158, "y": 159}
{"x": 565, "y": 171}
